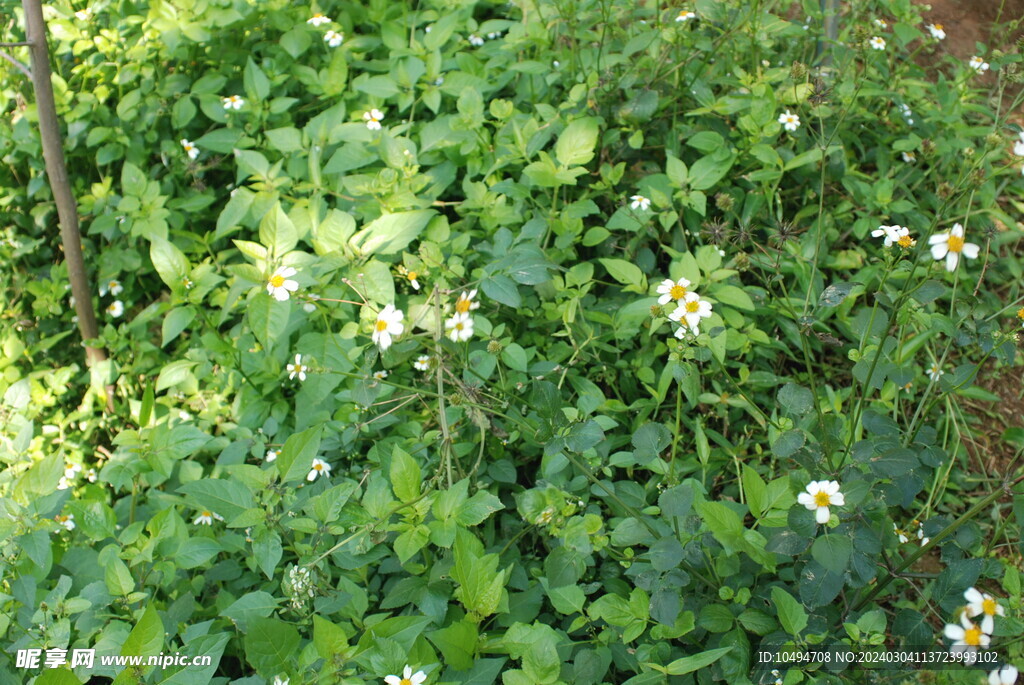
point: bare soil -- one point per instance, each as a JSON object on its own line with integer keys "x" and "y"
{"x": 968, "y": 22}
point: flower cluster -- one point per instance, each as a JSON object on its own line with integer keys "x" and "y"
{"x": 894, "y": 235}
{"x": 968, "y": 636}
{"x": 299, "y": 586}
{"x": 407, "y": 678}
{"x": 460, "y": 326}
{"x": 690, "y": 307}
{"x": 68, "y": 521}
{"x": 232, "y": 102}
{"x": 904, "y": 535}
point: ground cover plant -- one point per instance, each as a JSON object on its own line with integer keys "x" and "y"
{"x": 551, "y": 341}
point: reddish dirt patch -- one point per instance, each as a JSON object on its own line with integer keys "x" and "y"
{"x": 967, "y": 22}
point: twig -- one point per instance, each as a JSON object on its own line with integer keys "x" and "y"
{"x": 19, "y": 65}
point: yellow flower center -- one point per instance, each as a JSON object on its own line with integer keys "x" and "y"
{"x": 459, "y": 326}
{"x": 972, "y": 636}
{"x": 208, "y": 514}
{"x": 381, "y": 325}
{"x": 906, "y": 241}
{"x": 822, "y": 499}
{"x": 1020, "y": 313}
{"x": 938, "y": 27}
{"x": 955, "y": 243}
{"x": 462, "y": 304}
{"x": 677, "y": 292}
{"x": 318, "y": 467}
{"x": 404, "y": 681}
{"x": 277, "y": 280}
{"x": 693, "y": 306}
{"x": 989, "y": 606}
{"x": 411, "y": 276}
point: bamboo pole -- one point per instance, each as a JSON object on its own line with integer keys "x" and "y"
{"x": 57, "y": 175}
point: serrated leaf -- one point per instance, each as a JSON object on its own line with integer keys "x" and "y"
{"x": 576, "y": 143}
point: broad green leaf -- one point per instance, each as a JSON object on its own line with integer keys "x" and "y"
{"x": 689, "y": 664}
{"x": 791, "y": 613}
{"x": 170, "y": 262}
{"x": 405, "y": 476}
{"x": 268, "y": 317}
{"x": 147, "y": 637}
{"x": 228, "y": 498}
{"x": 277, "y": 232}
{"x": 271, "y": 645}
{"x": 833, "y": 552}
{"x": 576, "y": 143}
{"x": 391, "y": 233}
{"x": 296, "y": 458}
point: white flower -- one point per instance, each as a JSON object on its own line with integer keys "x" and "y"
{"x": 937, "y": 31}
{"x": 1018, "y": 147}
{"x": 115, "y": 308}
{"x": 190, "y": 149}
{"x": 206, "y": 518}
{"x": 297, "y": 369}
{"x": 233, "y": 102}
{"x": 333, "y": 39}
{"x": 880, "y": 23}
{"x": 466, "y": 302}
{"x": 373, "y": 119}
{"x": 979, "y": 603}
{"x": 67, "y": 521}
{"x": 84, "y": 15}
{"x": 894, "y": 235}
{"x": 318, "y": 19}
{"x": 686, "y": 15}
{"x": 691, "y": 310}
{"x": 900, "y": 534}
{"x": 309, "y": 307}
{"x": 909, "y": 157}
{"x": 934, "y": 372}
{"x": 475, "y": 40}
{"x": 789, "y": 121}
{"x": 271, "y": 455}
{"x": 639, "y": 202}
{"x": 493, "y": 35}
{"x": 1007, "y": 675}
{"x": 422, "y": 363}
{"x": 187, "y": 283}
{"x": 439, "y": 81}
{"x": 412, "y": 277}
{"x": 279, "y": 285}
{"x": 380, "y": 375}
{"x": 877, "y": 42}
{"x": 91, "y": 475}
{"x": 967, "y": 636}
{"x": 408, "y": 677}
{"x": 278, "y": 681}
{"x": 319, "y": 468}
{"x": 820, "y": 495}
{"x": 460, "y": 327}
{"x": 389, "y": 323}
{"x": 950, "y": 245}
{"x": 555, "y": 63}
{"x": 72, "y": 470}
{"x": 907, "y": 114}
{"x": 672, "y": 290}
{"x": 63, "y": 483}
{"x": 113, "y": 286}
{"x": 978, "y": 64}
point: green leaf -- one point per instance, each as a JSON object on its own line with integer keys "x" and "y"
{"x": 833, "y": 552}
{"x": 228, "y": 498}
{"x": 176, "y": 321}
{"x": 391, "y": 233}
{"x": 689, "y": 664}
{"x": 296, "y": 458}
{"x": 626, "y": 272}
{"x": 277, "y": 232}
{"x": 147, "y": 637}
{"x": 267, "y": 550}
{"x": 833, "y": 295}
{"x": 271, "y": 645}
{"x": 791, "y": 613}
{"x": 118, "y": 578}
{"x": 169, "y": 261}
{"x": 734, "y": 297}
{"x": 196, "y": 552}
{"x": 268, "y": 317}
{"x": 477, "y": 508}
{"x": 257, "y": 604}
{"x": 285, "y": 139}
{"x": 405, "y": 475}
{"x": 133, "y": 180}
{"x": 502, "y": 289}
{"x": 576, "y": 144}
{"x": 754, "y": 489}
{"x": 257, "y": 85}
{"x": 707, "y": 171}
